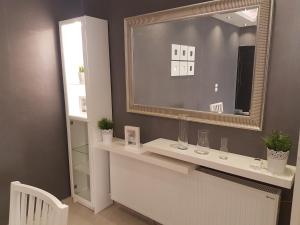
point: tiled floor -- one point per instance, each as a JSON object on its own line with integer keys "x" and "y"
{"x": 114, "y": 215}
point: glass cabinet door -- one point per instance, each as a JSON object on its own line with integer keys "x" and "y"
{"x": 80, "y": 159}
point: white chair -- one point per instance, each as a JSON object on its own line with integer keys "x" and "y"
{"x": 33, "y": 206}
{"x": 217, "y": 107}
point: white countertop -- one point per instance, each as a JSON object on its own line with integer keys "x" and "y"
{"x": 118, "y": 147}
{"x": 235, "y": 164}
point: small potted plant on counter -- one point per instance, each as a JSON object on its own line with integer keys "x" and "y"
{"x": 278, "y": 148}
{"x": 106, "y": 127}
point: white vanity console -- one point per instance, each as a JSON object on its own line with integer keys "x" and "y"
{"x": 176, "y": 188}
{"x": 232, "y": 163}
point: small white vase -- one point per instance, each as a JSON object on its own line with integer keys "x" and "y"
{"x": 107, "y": 136}
{"x": 81, "y": 78}
{"x": 277, "y": 161}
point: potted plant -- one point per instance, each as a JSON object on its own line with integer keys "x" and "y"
{"x": 81, "y": 75}
{"x": 106, "y": 127}
{"x": 278, "y": 148}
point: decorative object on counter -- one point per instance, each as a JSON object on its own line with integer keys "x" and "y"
{"x": 81, "y": 75}
{"x": 82, "y": 104}
{"x": 106, "y": 127}
{"x": 257, "y": 164}
{"x": 132, "y": 136}
{"x": 278, "y": 148}
{"x": 202, "y": 142}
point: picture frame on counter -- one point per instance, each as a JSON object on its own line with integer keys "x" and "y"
{"x": 132, "y": 137}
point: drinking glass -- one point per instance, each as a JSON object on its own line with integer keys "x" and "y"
{"x": 224, "y": 144}
{"x": 203, "y": 138}
{"x": 183, "y": 132}
{"x": 202, "y": 142}
{"x": 224, "y": 148}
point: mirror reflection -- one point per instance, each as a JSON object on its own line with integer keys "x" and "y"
{"x": 202, "y": 63}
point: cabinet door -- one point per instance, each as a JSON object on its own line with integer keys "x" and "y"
{"x": 80, "y": 159}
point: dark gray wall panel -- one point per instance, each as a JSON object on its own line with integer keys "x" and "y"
{"x": 282, "y": 108}
{"x": 33, "y": 145}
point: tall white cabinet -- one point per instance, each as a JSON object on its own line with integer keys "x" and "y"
{"x": 87, "y": 88}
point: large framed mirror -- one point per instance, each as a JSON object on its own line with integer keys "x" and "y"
{"x": 208, "y": 61}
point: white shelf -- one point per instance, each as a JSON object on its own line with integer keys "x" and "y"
{"x": 77, "y": 85}
{"x": 82, "y": 169}
{"x": 83, "y": 149}
{"x": 82, "y": 118}
{"x": 118, "y": 147}
{"x": 235, "y": 164}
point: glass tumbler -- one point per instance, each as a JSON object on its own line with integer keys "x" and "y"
{"x": 224, "y": 148}
{"x": 224, "y": 144}
{"x": 202, "y": 142}
{"x": 203, "y": 138}
{"x": 183, "y": 132}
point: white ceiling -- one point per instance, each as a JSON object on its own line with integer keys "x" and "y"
{"x": 242, "y": 18}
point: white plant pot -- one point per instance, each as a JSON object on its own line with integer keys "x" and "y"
{"x": 81, "y": 78}
{"x": 107, "y": 136}
{"x": 277, "y": 161}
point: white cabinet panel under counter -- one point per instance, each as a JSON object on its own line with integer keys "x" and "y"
{"x": 176, "y": 191}
{"x": 118, "y": 147}
{"x": 203, "y": 197}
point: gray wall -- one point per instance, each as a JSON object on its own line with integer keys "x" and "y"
{"x": 215, "y": 41}
{"x": 282, "y": 111}
{"x": 32, "y": 131}
{"x": 33, "y": 145}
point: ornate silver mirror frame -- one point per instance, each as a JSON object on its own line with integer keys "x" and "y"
{"x": 264, "y": 29}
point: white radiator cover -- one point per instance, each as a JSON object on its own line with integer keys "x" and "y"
{"x": 201, "y": 198}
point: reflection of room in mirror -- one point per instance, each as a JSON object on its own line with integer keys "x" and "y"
{"x": 175, "y": 52}
{"x": 226, "y": 58}
{"x": 183, "y": 53}
{"x": 191, "y": 53}
{"x": 183, "y": 68}
{"x": 241, "y": 18}
{"x": 183, "y": 58}
{"x": 216, "y": 107}
{"x": 175, "y": 68}
{"x": 191, "y": 68}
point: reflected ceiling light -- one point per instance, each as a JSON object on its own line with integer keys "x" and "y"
{"x": 228, "y": 17}
{"x": 249, "y": 14}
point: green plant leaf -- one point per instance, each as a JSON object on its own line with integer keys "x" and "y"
{"x": 105, "y": 124}
{"x": 278, "y": 141}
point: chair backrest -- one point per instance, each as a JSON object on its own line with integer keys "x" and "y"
{"x": 217, "y": 107}
{"x": 33, "y": 206}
